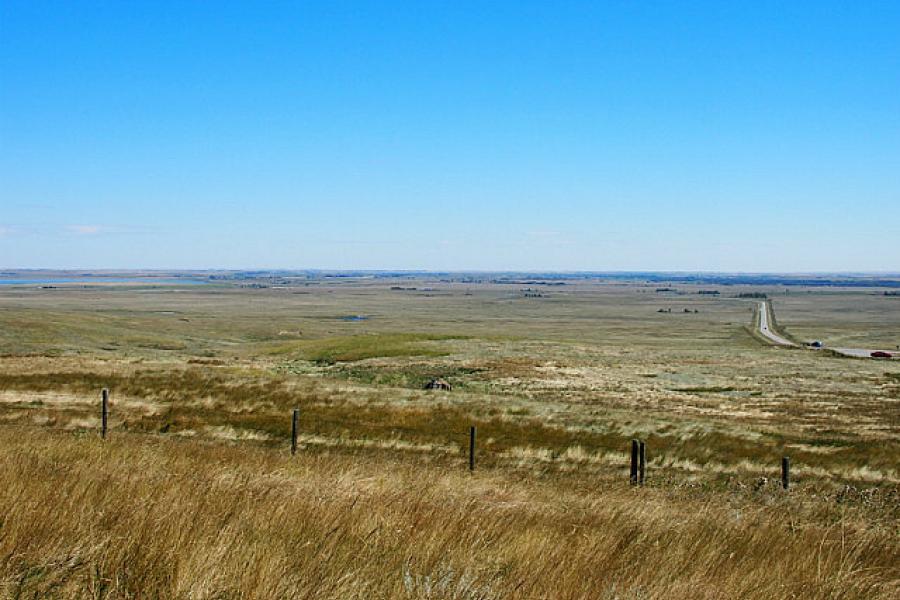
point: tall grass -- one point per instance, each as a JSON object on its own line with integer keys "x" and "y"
{"x": 146, "y": 516}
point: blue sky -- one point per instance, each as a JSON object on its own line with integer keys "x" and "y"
{"x": 755, "y": 136}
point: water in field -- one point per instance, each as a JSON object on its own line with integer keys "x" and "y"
{"x": 95, "y": 280}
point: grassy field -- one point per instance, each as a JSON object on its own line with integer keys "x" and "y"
{"x": 196, "y": 495}
{"x": 871, "y": 320}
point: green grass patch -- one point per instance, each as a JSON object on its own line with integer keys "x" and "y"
{"x": 359, "y": 347}
{"x": 705, "y": 390}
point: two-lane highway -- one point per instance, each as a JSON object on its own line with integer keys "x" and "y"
{"x": 766, "y": 331}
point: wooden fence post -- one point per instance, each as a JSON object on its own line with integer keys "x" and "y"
{"x": 104, "y": 412}
{"x": 633, "y": 477}
{"x": 785, "y": 472}
{"x": 294, "y": 417}
{"x": 472, "y": 448}
{"x": 642, "y": 462}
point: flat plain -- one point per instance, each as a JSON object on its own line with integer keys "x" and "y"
{"x": 195, "y": 493}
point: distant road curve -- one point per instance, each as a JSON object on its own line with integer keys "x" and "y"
{"x": 766, "y": 331}
{"x": 865, "y": 352}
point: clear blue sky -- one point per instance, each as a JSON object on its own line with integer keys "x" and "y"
{"x": 752, "y": 136}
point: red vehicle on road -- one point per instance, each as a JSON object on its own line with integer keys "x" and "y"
{"x": 880, "y": 354}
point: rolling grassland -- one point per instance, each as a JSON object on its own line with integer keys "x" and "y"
{"x": 195, "y": 493}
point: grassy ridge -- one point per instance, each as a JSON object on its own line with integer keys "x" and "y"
{"x": 253, "y": 404}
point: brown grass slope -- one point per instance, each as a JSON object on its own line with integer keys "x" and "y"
{"x": 144, "y": 516}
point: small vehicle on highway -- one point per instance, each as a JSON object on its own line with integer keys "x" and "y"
{"x": 880, "y": 354}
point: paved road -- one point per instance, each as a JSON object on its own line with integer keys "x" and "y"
{"x": 865, "y": 352}
{"x": 764, "y": 327}
{"x": 777, "y": 339}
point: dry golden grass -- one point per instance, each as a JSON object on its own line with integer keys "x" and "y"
{"x": 524, "y": 409}
{"x": 151, "y": 517}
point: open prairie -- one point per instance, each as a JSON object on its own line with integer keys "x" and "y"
{"x": 557, "y": 375}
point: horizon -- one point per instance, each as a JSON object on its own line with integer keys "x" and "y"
{"x": 88, "y": 271}
{"x": 467, "y": 138}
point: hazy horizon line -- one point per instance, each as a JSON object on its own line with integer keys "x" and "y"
{"x": 6, "y": 270}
